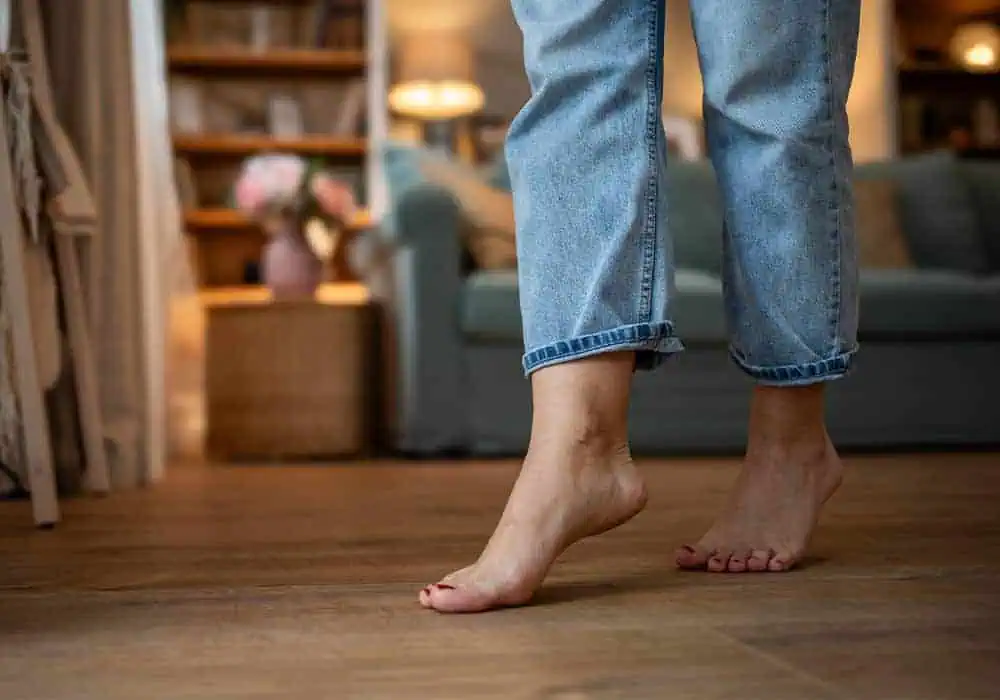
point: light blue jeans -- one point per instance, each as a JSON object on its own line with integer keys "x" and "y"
{"x": 587, "y": 156}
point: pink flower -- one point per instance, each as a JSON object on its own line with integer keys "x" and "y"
{"x": 335, "y": 198}
{"x": 250, "y": 195}
{"x": 269, "y": 182}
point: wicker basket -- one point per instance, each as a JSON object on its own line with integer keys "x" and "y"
{"x": 288, "y": 380}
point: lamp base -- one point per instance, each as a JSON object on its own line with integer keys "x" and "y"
{"x": 441, "y": 135}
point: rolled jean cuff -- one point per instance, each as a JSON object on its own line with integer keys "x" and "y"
{"x": 816, "y": 372}
{"x": 652, "y": 343}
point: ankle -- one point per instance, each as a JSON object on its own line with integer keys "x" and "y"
{"x": 581, "y": 437}
{"x": 788, "y": 419}
{"x": 583, "y": 405}
{"x": 812, "y": 447}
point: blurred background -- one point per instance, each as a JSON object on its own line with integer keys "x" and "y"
{"x": 255, "y": 322}
{"x": 259, "y": 287}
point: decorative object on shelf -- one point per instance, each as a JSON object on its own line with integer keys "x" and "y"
{"x": 304, "y": 210}
{"x": 291, "y": 270}
{"x": 435, "y": 85}
{"x": 285, "y": 117}
{"x": 976, "y": 47}
{"x": 260, "y": 27}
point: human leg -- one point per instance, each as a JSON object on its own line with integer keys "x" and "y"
{"x": 586, "y": 155}
{"x": 777, "y": 74}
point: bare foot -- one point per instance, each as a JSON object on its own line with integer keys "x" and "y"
{"x": 563, "y": 494}
{"x": 772, "y": 511}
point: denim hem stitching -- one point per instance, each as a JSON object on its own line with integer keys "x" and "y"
{"x": 808, "y": 373}
{"x": 657, "y": 337}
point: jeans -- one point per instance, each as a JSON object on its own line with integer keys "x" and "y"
{"x": 587, "y": 157}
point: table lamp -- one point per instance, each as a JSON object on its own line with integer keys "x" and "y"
{"x": 435, "y": 85}
{"x": 976, "y": 47}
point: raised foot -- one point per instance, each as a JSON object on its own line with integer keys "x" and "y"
{"x": 559, "y": 498}
{"x": 771, "y": 513}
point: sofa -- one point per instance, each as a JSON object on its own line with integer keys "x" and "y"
{"x": 927, "y": 373}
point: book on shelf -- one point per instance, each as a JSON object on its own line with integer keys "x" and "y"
{"x": 351, "y": 110}
{"x": 187, "y": 188}
{"x": 339, "y": 24}
{"x": 249, "y": 26}
{"x": 186, "y": 106}
{"x": 273, "y": 27}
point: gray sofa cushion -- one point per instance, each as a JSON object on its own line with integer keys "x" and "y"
{"x": 697, "y": 309}
{"x": 490, "y": 310}
{"x": 936, "y": 210}
{"x": 983, "y": 181}
{"x": 895, "y": 304}
{"x": 694, "y": 216}
{"x": 928, "y": 304}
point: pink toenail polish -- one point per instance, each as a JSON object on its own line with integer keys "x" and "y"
{"x": 444, "y": 586}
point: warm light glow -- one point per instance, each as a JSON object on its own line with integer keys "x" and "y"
{"x": 429, "y": 100}
{"x": 980, "y": 55}
{"x": 976, "y": 47}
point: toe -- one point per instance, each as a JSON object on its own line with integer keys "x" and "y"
{"x": 719, "y": 561}
{"x": 781, "y": 562}
{"x": 689, "y": 557}
{"x": 759, "y": 559}
{"x": 425, "y": 597}
{"x": 446, "y": 598}
{"x": 738, "y": 562}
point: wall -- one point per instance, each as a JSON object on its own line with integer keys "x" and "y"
{"x": 498, "y": 42}
{"x": 873, "y": 100}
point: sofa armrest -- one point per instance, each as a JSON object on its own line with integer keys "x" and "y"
{"x": 425, "y": 262}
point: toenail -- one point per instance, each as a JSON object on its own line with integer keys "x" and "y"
{"x": 444, "y": 586}
{"x": 689, "y": 549}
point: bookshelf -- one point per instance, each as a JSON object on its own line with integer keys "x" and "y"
{"x": 276, "y": 62}
{"x": 242, "y": 146}
{"x": 942, "y": 104}
{"x": 200, "y": 221}
{"x": 250, "y": 77}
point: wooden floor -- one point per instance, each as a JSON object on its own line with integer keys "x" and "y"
{"x": 282, "y": 583}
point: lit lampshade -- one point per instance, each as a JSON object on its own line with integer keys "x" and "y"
{"x": 976, "y": 47}
{"x": 435, "y": 80}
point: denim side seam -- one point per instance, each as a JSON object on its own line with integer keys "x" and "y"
{"x": 837, "y": 233}
{"x": 650, "y": 223}
{"x": 829, "y": 369}
{"x": 653, "y": 342}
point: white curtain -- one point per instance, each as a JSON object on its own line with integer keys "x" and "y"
{"x": 170, "y": 302}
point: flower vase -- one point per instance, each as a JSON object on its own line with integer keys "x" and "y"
{"x": 290, "y": 269}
